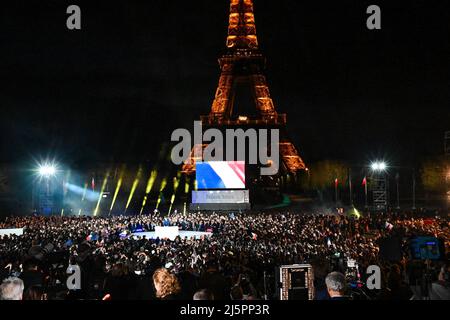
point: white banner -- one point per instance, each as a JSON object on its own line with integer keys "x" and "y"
{"x": 166, "y": 232}
{"x": 220, "y": 196}
{"x": 16, "y": 231}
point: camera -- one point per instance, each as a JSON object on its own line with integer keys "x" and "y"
{"x": 426, "y": 248}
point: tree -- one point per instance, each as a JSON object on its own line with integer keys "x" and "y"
{"x": 433, "y": 174}
{"x": 324, "y": 173}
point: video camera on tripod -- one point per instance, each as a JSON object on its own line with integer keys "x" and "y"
{"x": 426, "y": 248}
{"x": 423, "y": 250}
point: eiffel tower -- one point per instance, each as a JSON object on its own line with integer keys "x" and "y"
{"x": 244, "y": 65}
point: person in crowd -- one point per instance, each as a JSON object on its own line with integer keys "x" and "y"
{"x": 336, "y": 286}
{"x": 203, "y": 294}
{"x": 214, "y": 281}
{"x": 247, "y": 288}
{"x": 188, "y": 282}
{"x": 32, "y": 275}
{"x": 34, "y": 292}
{"x": 236, "y": 293}
{"x": 11, "y": 289}
{"x": 119, "y": 284}
{"x": 440, "y": 289}
{"x": 166, "y": 285}
{"x": 396, "y": 288}
{"x": 320, "y": 272}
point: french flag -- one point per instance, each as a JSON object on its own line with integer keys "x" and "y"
{"x": 220, "y": 175}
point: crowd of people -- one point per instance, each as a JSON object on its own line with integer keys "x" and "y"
{"x": 237, "y": 261}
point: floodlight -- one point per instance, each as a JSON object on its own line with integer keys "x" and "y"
{"x": 378, "y": 166}
{"x": 47, "y": 170}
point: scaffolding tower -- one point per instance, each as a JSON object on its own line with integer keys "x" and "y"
{"x": 380, "y": 191}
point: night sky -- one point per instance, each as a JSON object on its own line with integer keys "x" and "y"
{"x": 137, "y": 70}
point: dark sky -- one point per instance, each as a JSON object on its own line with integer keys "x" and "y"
{"x": 139, "y": 69}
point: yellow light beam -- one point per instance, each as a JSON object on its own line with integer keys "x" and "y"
{"x": 143, "y": 204}
{"x": 172, "y": 199}
{"x": 186, "y": 185}
{"x": 176, "y": 183}
{"x": 100, "y": 196}
{"x": 116, "y": 192}
{"x": 119, "y": 184}
{"x": 150, "y": 183}
{"x": 163, "y": 184}
{"x": 161, "y": 189}
{"x": 134, "y": 186}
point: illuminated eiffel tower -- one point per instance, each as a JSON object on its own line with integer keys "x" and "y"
{"x": 244, "y": 65}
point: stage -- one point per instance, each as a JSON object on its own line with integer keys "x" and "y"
{"x": 183, "y": 234}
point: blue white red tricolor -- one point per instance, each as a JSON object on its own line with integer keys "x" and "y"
{"x": 220, "y": 175}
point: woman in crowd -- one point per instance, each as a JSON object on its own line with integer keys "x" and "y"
{"x": 166, "y": 285}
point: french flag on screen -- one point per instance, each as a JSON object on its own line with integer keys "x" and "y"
{"x": 220, "y": 175}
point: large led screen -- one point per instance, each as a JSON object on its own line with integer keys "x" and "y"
{"x": 220, "y": 175}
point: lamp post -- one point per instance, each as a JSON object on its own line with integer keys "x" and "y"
{"x": 397, "y": 177}
{"x": 414, "y": 189}
{"x": 336, "y": 182}
{"x": 350, "y": 186}
{"x": 366, "y": 205}
{"x": 309, "y": 178}
{"x": 44, "y": 186}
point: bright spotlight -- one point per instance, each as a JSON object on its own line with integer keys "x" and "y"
{"x": 47, "y": 170}
{"x": 378, "y": 166}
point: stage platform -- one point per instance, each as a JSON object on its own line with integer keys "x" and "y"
{"x": 183, "y": 234}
